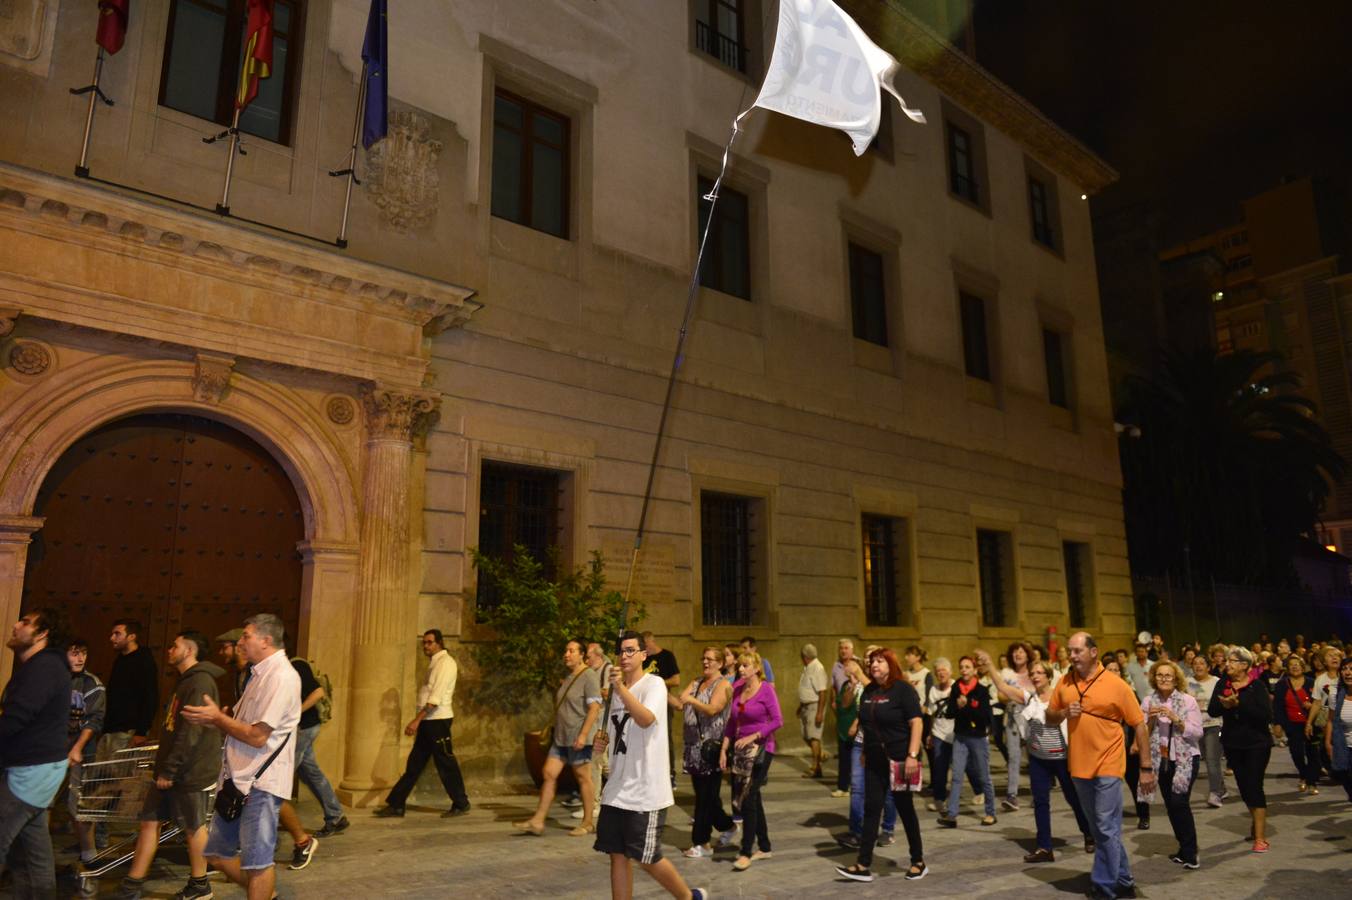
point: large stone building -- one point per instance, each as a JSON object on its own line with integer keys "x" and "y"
{"x": 893, "y": 421}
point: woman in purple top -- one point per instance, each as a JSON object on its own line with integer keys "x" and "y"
{"x": 748, "y": 747}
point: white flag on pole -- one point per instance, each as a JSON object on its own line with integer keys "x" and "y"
{"x": 826, "y": 70}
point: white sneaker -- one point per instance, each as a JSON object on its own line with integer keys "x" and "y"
{"x": 727, "y": 838}
{"x": 1213, "y": 801}
{"x": 697, "y": 852}
{"x": 839, "y": 794}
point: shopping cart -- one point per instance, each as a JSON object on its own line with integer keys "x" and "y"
{"x": 114, "y": 790}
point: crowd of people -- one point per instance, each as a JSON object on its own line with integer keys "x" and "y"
{"x": 908, "y": 730}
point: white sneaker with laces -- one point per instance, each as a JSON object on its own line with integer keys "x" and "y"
{"x": 726, "y": 838}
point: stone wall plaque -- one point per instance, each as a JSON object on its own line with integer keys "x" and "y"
{"x": 655, "y": 576}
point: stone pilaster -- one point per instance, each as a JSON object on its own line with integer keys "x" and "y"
{"x": 16, "y": 532}
{"x": 383, "y": 622}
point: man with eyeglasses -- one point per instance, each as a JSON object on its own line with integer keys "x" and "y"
{"x": 1095, "y": 709}
{"x": 431, "y": 730}
{"x": 635, "y": 799}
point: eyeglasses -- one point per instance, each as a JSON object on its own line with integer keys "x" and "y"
{"x": 629, "y": 651}
{"x": 709, "y": 660}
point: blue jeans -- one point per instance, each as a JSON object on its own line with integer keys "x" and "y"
{"x": 1043, "y": 774}
{"x": 310, "y": 775}
{"x": 1101, "y": 800}
{"x": 25, "y": 846}
{"x": 971, "y": 755}
{"x": 941, "y": 760}
{"x": 857, "y": 797}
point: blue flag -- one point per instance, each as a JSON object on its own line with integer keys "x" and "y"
{"x": 375, "y": 53}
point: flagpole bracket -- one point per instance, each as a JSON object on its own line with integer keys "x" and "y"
{"x": 222, "y": 210}
{"x": 340, "y": 243}
{"x": 342, "y": 173}
{"x": 82, "y": 171}
{"x": 98, "y": 91}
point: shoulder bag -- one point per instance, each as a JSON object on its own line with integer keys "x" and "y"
{"x": 230, "y": 800}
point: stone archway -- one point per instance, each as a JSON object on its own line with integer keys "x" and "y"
{"x": 54, "y": 413}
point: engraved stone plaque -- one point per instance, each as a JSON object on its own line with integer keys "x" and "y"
{"x": 655, "y": 576}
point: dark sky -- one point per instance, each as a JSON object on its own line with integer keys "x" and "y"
{"x": 1198, "y": 104}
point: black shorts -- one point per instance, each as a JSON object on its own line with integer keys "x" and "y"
{"x": 637, "y": 835}
{"x": 187, "y": 809}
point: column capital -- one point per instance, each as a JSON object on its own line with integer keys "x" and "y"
{"x": 8, "y": 316}
{"x": 19, "y": 529}
{"x": 400, "y": 415}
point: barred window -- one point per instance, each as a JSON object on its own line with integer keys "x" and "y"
{"x": 995, "y": 570}
{"x": 1079, "y": 588}
{"x": 518, "y": 506}
{"x": 720, "y": 31}
{"x": 886, "y": 573}
{"x": 728, "y": 548}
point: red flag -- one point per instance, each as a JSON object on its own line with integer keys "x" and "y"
{"x": 112, "y": 24}
{"x": 257, "y": 52}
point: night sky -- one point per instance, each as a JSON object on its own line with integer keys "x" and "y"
{"x": 1197, "y": 104}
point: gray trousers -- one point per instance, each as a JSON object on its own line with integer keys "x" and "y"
{"x": 25, "y": 846}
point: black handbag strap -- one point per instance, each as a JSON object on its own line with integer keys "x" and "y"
{"x": 263, "y": 768}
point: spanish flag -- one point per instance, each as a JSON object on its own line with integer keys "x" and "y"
{"x": 112, "y": 29}
{"x": 257, "y": 52}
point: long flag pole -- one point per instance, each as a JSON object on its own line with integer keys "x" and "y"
{"x": 351, "y": 170}
{"x": 678, "y": 357}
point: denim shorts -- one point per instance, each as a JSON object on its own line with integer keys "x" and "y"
{"x": 570, "y": 756}
{"x": 252, "y": 837}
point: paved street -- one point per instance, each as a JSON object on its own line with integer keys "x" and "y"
{"x": 477, "y": 856}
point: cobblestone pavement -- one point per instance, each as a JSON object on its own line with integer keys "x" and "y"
{"x": 478, "y": 856}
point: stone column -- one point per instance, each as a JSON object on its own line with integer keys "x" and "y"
{"x": 16, "y": 532}
{"x": 382, "y": 624}
{"x": 328, "y": 606}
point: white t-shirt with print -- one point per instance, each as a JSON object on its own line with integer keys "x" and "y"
{"x": 640, "y": 773}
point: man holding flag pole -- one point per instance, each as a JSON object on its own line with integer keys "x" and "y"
{"x": 824, "y": 70}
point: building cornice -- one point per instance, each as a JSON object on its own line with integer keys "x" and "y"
{"x": 922, "y": 50}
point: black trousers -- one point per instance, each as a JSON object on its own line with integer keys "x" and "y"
{"x": 1176, "y": 805}
{"x": 433, "y": 742}
{"x": 843, "y": 756}
{"x": 1304, "y": 752}
{"x": 1250, "y": 765}
{"x": 755, "y": 834}
{"x": 709, "y": 814}
{"x": 1133, "y": 779}
{"x": 877, "y": 778}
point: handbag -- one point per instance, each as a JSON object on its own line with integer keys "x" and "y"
{"x": 546, "y": 735}
{"x": 709, "y": 751}
{"x": 230, "y": 799}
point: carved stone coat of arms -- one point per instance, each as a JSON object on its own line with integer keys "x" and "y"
{"x": 401, "y": 173}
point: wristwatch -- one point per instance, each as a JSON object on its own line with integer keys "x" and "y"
{"x": 915, "y": 755}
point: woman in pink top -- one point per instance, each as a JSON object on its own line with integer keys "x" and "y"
{"x": 748, "y": 747}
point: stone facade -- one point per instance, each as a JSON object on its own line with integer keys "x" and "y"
{"x": 383, "y": 387}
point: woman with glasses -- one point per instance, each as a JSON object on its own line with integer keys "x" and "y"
{"x": 1245, "y": 709}
{"x": 1292, "y": 701}
{"x": 748, "y": 749}
{"x": 1338, "y": 730}
{"x": 1175, "y": 723}
{"x": 704, "y": 705}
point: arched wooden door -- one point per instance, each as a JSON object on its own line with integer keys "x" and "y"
{"x": 176, "y": 520}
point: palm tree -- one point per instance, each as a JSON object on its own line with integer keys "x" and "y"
{"x": 1231, "y": 467}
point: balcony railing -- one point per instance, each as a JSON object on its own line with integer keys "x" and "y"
{"x": 726, "y": 50}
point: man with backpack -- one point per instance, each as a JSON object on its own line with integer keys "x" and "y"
{"x": 315, "y": 706}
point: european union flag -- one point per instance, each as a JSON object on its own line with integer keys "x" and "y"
{"x": 375, "y": 53}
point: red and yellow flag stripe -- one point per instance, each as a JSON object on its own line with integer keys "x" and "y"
{"x": 257, "y": 52}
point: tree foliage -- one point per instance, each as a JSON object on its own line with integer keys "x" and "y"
{"x": 1230, "y": 470}
{"x": 535, "y": 616}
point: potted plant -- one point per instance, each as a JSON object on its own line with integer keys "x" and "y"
{"x": 534, "y": 616}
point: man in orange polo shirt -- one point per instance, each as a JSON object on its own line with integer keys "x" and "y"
{"x": 1095, "y": 703}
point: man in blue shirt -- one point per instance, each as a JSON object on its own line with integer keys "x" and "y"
{"x": 33, "y": 748}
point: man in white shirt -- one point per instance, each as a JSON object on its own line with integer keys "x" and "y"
{"x": 431, "y": 729}
{"x": 634, "y": 800}
{"x": 259, "y": 757}
{"x": 814, "y": 695}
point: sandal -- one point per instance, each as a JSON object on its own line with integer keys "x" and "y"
{"x": 584, "y": 828}
{"x": 1261, "y": 846}
{"x": 529, "y": 828}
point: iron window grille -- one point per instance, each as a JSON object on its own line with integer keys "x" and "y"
{"x": 518, "y": 507}
{"x": 727, "y": 547}
{"x": 884, "y": 571}
{"x": 719, "y": 32}
{"x": 993, "y": 577}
